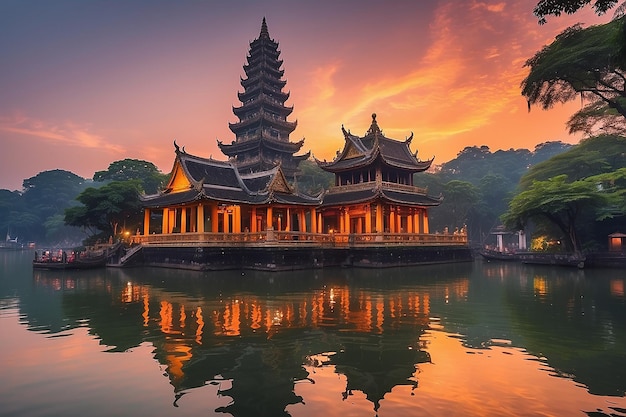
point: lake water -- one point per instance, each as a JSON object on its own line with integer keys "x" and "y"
{"x": 472, "y": 339}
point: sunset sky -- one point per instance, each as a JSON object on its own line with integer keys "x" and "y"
{"x": 86, "y": 83}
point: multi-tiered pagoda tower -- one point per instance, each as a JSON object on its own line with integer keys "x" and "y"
{"x": 262, "y": 132}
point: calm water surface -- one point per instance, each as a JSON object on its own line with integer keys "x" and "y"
{"x": 475, "y": 339}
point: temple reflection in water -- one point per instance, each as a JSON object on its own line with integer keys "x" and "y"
{"x": 256, "y": 337}
{"x": 269, "y": 341}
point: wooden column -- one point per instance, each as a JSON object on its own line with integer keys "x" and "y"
{"x": 253, "y": 220}
{"x": 409, "y": 222}
{"x": 164, "y": 220}
{"x": 183, "y": 220}
{"x": 392, "y": 221}
{"x": 379, "y": 218}
{"x": 269, "y": 221}
{"x": 425, "y": 221}
{"x": 301, "y": 220}
{"x": 214, "y": 219}
{"x": 226, "y": 220}
{"x": 313, "y": 221}
{"x": 146, "y": 222}
{"x": 320, "y": 222}
{"x": 368, "y": 219}
{"x": 288, "y": 223}
{"x": 342, "y": 219}
{"x": 347, "y": 221}
{"x": 236, "y": 219}
{"x": 200, "y": 218}
{"x": 416, "y": 221}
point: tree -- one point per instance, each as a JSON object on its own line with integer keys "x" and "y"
{"x": 556, "y": 7}
{"x": 147, "y": 173}
{"x": 587, "y": 62}
{"x": 592, "y": 156}
{"x": 107, "y": 208}
{"x": 559, "y": 203}
{"x": 43, "y": 196}
{"x": 459, "y": 198}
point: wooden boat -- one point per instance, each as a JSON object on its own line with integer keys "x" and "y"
{"x": 494, "y": 255}
{"x": 557, "y": 259}
{"x": 75, "y": 260}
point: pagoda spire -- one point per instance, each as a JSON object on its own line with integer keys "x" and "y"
{"x": 262, "y": 130}
{"x": 264, "y": 32}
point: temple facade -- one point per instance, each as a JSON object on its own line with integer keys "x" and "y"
{"x": 205, "y": 197}
{"x": 374, "y": 191}
{"x": 262, "y": 132}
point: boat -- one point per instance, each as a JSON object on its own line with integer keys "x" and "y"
{"x": 61, "y": 259}
{"x": 12, "y": 243}
{"x": 558, "y": 259}
{"x": 496, "y": 255}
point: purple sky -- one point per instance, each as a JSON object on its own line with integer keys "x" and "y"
{"x": 85, "y": 83}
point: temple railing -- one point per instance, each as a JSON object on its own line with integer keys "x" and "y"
{"x": 372, "y": 184}
{"x": 284, "y": 238}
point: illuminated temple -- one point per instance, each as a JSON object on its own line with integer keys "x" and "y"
{"x": 247, "y": 212}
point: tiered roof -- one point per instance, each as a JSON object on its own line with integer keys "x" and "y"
{"x": 363, "y": 151}
{"x": 376, "y": 150}
{"x": 196, "y": 178}
{"x": 262, "y": 132}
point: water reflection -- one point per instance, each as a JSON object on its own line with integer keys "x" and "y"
{"x": 266, "y": 339}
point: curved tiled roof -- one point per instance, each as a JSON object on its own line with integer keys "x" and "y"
{"x": 363, "y": 195}
{"x": 222, "y": 181}
{"x": 363, "y": 151}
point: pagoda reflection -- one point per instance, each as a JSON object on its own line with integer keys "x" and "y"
{"x": 257, "y": 346}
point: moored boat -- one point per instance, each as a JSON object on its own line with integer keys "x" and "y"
{"x": 495, "y": 255}
{"x": 558, "y": 259}
{"x": 61, "y": 259}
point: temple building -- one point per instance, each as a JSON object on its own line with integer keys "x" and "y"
{"x": 210, "y": 196}
{"x": 262, "y": 132}
{"x": 374, "y": 191}
{"x": 247, "y": 212}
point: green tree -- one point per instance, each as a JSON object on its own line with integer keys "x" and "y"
{"x": 107, "y": 209}
{"x": 557, "y": 7}
{"x": 312, "y": 178}
{"x": 43, "y": 196}
{"x": 459, "y": 198}
{"x": 587, "y": 62}
{"x": 592, "y": 156}
{"x": 151, "y": 179}
{"x": 559, "y": 203}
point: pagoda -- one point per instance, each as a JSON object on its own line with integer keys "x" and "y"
{"x": 262, "y": 132}
{"x": 374, "y": 190}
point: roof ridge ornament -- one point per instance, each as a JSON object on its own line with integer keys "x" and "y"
{"x": 374, "y": 129}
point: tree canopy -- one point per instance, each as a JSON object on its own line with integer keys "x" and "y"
{"x": 588, "y": 62}
{"x": 557, "y": 7}
{"x": 107, "y": 208}
{"x": 151, "y": 179}
{"x": 592, "y": 156}
{"x": 559, "y": 203}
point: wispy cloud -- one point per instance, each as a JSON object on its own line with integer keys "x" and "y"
{"x": 66, "y": 133}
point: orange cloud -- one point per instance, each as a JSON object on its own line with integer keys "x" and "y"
{"x": 67, "y": 134}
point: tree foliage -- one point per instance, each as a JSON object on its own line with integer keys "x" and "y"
{"x": 587, "y": 62}
{"x": 558, "y": 202}
{"x": 557, "y": 7}
{"x": 107, "y": 209}
{"x": 592, "y": 156}
{"x": 494, "y": 175}
{"x": 151, "y": 179}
